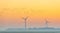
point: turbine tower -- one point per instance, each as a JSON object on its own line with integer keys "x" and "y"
{"x": 25, "y": 21}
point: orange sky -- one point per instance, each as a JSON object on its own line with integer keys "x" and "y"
{"x": 37, "y": 10}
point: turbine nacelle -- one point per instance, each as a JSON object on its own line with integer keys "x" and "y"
{"x": 25, "y": 18}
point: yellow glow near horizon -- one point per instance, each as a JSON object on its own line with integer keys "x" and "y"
{"x": 49, "y": 8}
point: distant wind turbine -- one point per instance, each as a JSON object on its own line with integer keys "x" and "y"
{"x": 1, "y": 12}
{"x": 25, "y": 21}
{"x": 46, "y": 23}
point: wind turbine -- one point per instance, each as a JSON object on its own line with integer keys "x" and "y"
{"x": 46, "y": 23}
{"x": 1, "y": 12}
{"x": 25, "y": 21}
{"x": 25, "y": 18}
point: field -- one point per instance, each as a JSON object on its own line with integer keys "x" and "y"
{"x": 30, "y": 32}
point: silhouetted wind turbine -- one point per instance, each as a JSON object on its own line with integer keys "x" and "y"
{"x": 25, "y": 21}
{"x": 1, "y": 12}
{"x": 46, "y": 22}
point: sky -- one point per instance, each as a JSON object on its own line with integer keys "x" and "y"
{"x": 12, "y": 12}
